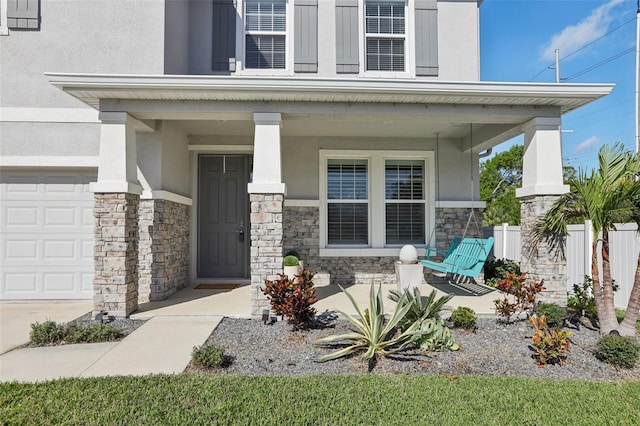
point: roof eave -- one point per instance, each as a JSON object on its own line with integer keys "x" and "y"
{"x": 91, "y": 88}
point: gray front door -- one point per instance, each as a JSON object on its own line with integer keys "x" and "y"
{"x": 223, "y": 229}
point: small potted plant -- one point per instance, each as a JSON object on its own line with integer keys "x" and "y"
{"x": 297, "y": 255}
{"x": 291, "y": 266}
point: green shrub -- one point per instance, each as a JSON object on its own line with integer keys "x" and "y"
{"x": 464, "y": 317}
{"x": 619, "y": 351}
{"x": 47, "y": 333}
{"x": 581, "y": 298}
{"x": 292, "y": 253}
{"x": 496, "y": 270}
{"x": 554, "y": 313}
{"x": 291, "y": 261}
{"x": 436, "y": 336}
{"x": 209, "y": 356}
{"x": 93, "y": 333}
{"x": 292, "y": 297}
{"x": 551, "y": 345}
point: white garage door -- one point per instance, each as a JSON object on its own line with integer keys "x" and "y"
{"x": 46, "y": 234}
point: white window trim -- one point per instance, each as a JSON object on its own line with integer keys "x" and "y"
{"x": 4, "y": 29}
{"x": 241, "y": 40}
{"x": 377, "y": 200}
{"x": 409, "y": 46}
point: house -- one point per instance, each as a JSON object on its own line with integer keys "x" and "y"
{"x": 151, "y": 145}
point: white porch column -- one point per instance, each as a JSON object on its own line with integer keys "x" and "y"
{"x": 267, "y": 158}
{"x": 542, "y": 183}
{"x": 117, "y": 196}
{"x": 266, "y": 194}
{"x": 117, "y": 164}
{"x": 542, "y": 162}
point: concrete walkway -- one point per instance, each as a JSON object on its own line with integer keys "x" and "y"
{"x": 16, "y": 318}
{"x": 162, "y": 345}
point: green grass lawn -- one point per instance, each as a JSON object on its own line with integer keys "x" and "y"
{"x": 319, "y": 400}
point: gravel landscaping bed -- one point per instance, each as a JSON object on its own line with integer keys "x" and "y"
{"x": 125, "y": 325}
{"x": 494, "y": 349}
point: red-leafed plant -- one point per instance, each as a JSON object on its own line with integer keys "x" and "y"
{"x": 552, "y": 346}
{"x": 523, "y": 294}
{"x": 292, "y": 298}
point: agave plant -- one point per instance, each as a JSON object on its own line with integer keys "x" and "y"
{"x": 431, "y": 308}
{"x": 374, "y": 334}
{"x": 435, "y": 335}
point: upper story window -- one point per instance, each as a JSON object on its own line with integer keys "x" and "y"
{"x": 385, "y": 31}
{"x": 395, "y": 38}
{"x": 265, "y": 34}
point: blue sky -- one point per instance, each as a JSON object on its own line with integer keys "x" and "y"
{"x": 518, "y": 39}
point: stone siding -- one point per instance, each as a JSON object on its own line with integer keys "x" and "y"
{"x": 164, "y": 249}
{"x": 115, "y": 282}
{"x": 450, "y": 223}
{"x": 266, "y": 246}
{"x": 548, "y": 265}
{"x": 302, "y": 233}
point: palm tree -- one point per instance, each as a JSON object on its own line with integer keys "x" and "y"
{"x": 609, "y": 195}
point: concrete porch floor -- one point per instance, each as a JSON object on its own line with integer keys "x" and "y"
{"x": 237, "y": 302}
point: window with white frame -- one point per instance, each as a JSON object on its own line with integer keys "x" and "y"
{"x": 385, "y": 33}
{"x": 347, "y": 202}
{"x": 404, "y": 202}
{"x": 375, "y": 199}
{"x": 265, "y": 34}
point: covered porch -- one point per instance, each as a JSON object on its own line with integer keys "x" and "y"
{"x": 175, "y": 150}
{"x": 237, "y": 302}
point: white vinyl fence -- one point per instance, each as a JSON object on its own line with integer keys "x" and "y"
{"x": 624, "y": 246}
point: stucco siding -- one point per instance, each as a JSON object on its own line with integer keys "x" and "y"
{"x": 49, "y": 139}
{"x": 176, "y": 46}
{"x": 163, "y": 159}
{"x": 175, "y": 160}
{"x": 98, "y": 36}
{"x": 458, "y": 37}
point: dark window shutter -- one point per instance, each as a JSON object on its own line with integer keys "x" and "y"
{"x": 427, "y": 37}
{"x": 347, "y": 37}
{"x": 305, "y": 52}
{"x": 23, "y": 14}
{"x": 224, "y": 35}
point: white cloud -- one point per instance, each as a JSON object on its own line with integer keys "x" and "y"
{"x": 574, "y": 37}
{"x": 593, "y": 140}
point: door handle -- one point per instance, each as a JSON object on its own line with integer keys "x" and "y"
{"x": 241, "y": 232}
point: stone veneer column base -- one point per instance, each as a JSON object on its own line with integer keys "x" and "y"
{"x": 266, "y": 246}
{"x": 115, "y": 282}
{"x": 164, "y": 249}
{"x": 542, "y": 264}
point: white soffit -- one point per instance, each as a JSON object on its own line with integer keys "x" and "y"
{"x": 91, "y": 88}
